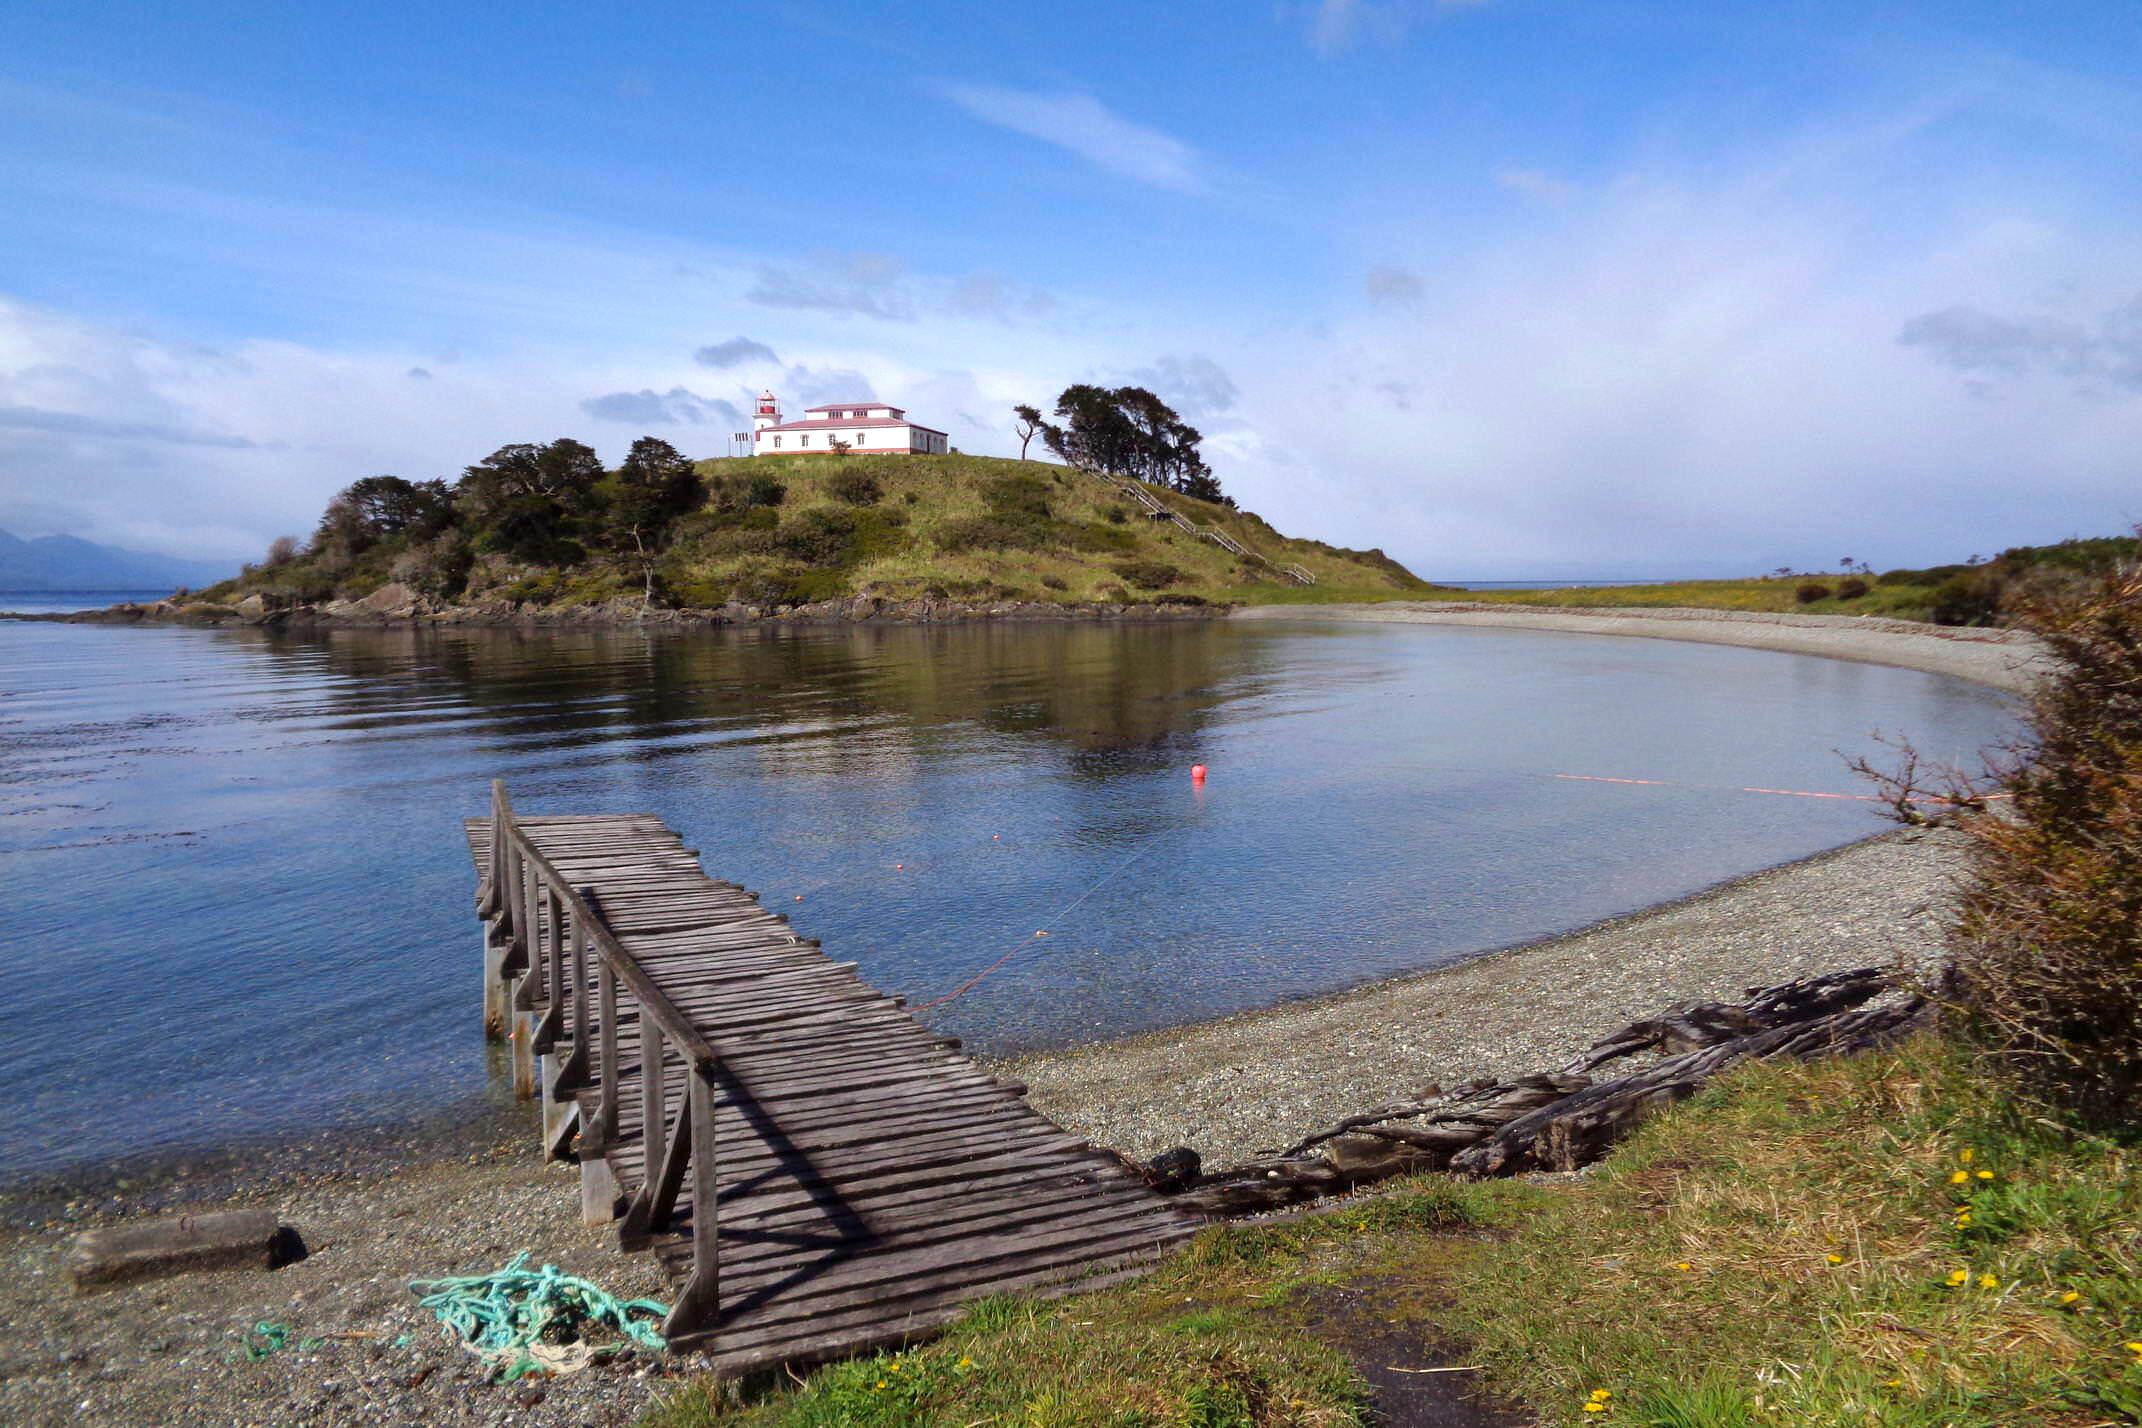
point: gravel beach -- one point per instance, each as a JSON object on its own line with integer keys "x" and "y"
{"x": 381, "y": 1210}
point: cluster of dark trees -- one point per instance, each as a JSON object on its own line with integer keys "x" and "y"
{"x": 1125, "y": 431}
{"x": 548, "y": 504}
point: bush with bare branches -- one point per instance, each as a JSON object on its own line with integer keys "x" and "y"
{"x": 2046, "y": 950}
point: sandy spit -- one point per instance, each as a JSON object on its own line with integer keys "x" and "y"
{"x": 1258, "y": 1081}
{"x": 2005, "y": 659}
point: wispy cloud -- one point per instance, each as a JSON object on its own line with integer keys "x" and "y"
{"x": 77, "y": 424}
{"x": 1090, "y": 129}
{"x": 1196, "y": 385}
{"x": 734, "y": 353}
{"x": 1336, "y": 25}
{"x": 1392, "y": 285}
{"x": 675, "y": 407}
{"x": 862, "y": 284}
{"x": 1981, "y": 343}
{"x": 1536, "y": 184}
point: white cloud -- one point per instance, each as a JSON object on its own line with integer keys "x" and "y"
{"x": 1090, "y": 129}
{"x": 1336, "y": 25}
{"x": 1537, "y": 185}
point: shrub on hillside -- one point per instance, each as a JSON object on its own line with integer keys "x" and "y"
{"x": 1852, "y": 588}
{"x": 1810, "y": 591}
{"x": 2047, "y": 946}
{"x": 1972, "y": 597}
{"x": 1148, "y": 574}
{"x": 855, "y": 488}
{"x": 438, "y": 568}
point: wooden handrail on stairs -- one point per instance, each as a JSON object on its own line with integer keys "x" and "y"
{"x": 1156, "y": 507}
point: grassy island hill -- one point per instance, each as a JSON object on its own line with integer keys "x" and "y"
{"x": 785, "y": 531}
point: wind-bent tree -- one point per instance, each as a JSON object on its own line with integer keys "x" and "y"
{"x": 1128, "y": 431}
{"x": 655, "y": 486}
{"x": 530, "y": 501}
{"x": 1028, "y": 427}
{"x": 377, "y": 508}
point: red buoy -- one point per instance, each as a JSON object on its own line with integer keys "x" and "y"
{"x": 1197, "y": 773}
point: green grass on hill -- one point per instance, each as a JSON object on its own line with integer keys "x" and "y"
{"x": 1794, "y": 1247}
{"x": 985, "y": 528}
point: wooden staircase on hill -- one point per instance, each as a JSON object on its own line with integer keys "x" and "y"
{"x": 822, "y": 1173}
{"x": 1161, "y": 510}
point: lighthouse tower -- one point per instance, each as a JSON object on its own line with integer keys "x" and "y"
{"x": 767, "y": 413}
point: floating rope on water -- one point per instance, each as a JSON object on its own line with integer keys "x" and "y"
{"x": 522, "y": 1321}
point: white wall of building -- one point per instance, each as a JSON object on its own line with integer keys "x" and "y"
{"x": 862, "y": 440}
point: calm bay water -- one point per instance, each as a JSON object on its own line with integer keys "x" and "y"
{"x": 238, "y": 896}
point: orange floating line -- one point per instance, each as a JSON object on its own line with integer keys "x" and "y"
{"x": 1803, "y": 793}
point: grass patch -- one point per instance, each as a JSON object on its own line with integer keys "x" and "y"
{"x": 1212, "y": 1337}
{"x": 1795, "y": 1246}
{"x": 1897, "y": 601}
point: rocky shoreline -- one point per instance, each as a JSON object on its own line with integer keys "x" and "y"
{"x": 399, "y": 605}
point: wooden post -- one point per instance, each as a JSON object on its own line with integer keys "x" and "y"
{"x": 524, "y": 1055}
{"x": 639, "y": 1226}
{"x": 553, "y": 966}
{"x": 605, "y": 1130}
{"x": 573, "y": 1066}
{"x": 494, "y": 982}
{"x": 698, "y": 1305}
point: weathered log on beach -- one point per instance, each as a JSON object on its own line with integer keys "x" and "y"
{"x": 181, "y": 1244}
{"x": 1565, "y": 1119}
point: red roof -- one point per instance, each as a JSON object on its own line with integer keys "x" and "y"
{"x": 856, "y": 407}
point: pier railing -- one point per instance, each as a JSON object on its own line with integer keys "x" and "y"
{"x": 554, "y": 932}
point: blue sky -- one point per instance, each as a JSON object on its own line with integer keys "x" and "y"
{"x": 1509, "y": 287}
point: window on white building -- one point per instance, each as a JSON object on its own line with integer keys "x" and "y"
{"x": 777, "y": 442}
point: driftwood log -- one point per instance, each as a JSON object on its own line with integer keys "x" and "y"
{"x": 1562, "y": 1119}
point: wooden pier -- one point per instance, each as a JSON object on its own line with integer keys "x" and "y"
{"x": 821, "y": 1173}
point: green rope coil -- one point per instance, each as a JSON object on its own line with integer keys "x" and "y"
{"x": 504, "y": 1315}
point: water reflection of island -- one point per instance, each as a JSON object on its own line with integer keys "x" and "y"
{"x": 853, "y": 700}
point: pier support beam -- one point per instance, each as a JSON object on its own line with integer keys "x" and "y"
{"x": 494, "y": 982}
{"x": 524, "y": 1056}
{"x": 601, "y": 1199}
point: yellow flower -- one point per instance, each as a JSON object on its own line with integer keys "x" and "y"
{"x": 2135, "y": 1346}
{"x": 1961, "y": 1177}
{"x": 1964, "y": 1155}
{"x": 1963, "y": 1221}
{"x": 1684, "y": 1266}
{"x": 1985, "y": 1175}
{"x": 1595, "y": 1407}
{"x": 881, "y": 1383}
{"x": 1989, "y": 1281}
{"x": 1834, "y": 1258}
{"x": 964, "y": 1362}
{"x": 2070, "y": 1296}
{"x": 1892, "y": 1383}
{"x": 1601, "y": 1395}
{"x": 1959, "y": 1276}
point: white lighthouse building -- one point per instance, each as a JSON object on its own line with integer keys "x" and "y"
{"x": 868, "y": 428}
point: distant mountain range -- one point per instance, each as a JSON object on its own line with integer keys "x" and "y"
{"x": 61, "y": 562}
